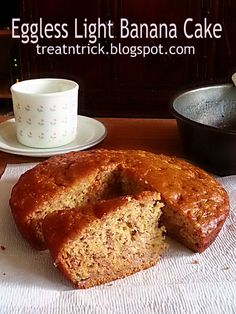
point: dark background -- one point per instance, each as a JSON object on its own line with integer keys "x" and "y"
{"x": 121, "y": 86}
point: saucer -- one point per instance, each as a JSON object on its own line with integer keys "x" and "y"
{"x": 89, "y": 133}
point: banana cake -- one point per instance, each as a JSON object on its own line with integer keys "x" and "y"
{"x": 195, "y": 204}
{"x": 110, "y": 239}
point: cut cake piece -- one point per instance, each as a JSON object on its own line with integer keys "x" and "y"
{"x": 111, "y": 239}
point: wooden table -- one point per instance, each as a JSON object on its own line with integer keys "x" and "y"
{"x": 155, "y": 135}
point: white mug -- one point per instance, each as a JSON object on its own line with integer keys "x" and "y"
{"x": 45, "y": 111}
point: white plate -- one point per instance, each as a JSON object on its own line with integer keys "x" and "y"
{"x": 89, "y": 133}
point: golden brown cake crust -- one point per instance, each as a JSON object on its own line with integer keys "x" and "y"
{"x": 74, "y": 223}
{"x": 190, "y": 192}
{"x": 74, "y": 220}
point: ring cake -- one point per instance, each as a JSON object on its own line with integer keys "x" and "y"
{"x": 71, "y": 187}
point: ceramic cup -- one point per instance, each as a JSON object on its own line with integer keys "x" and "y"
{"x": 45, "y": 111}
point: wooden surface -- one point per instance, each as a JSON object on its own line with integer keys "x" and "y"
{"x": 5, "y": 89}
{"x": 155, "y": 135}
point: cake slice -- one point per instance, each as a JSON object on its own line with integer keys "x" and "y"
{"x": 111, "y": 239}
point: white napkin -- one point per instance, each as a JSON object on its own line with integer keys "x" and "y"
{"x": 182, "y": 282}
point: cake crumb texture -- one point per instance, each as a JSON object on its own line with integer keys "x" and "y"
{"x": 108, "y": 240}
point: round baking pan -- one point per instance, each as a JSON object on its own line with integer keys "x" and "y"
{"x": 206, "y": 119}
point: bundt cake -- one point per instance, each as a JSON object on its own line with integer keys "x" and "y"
{"x": 107, "y": 240}
{"x": 196, "y": 206}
